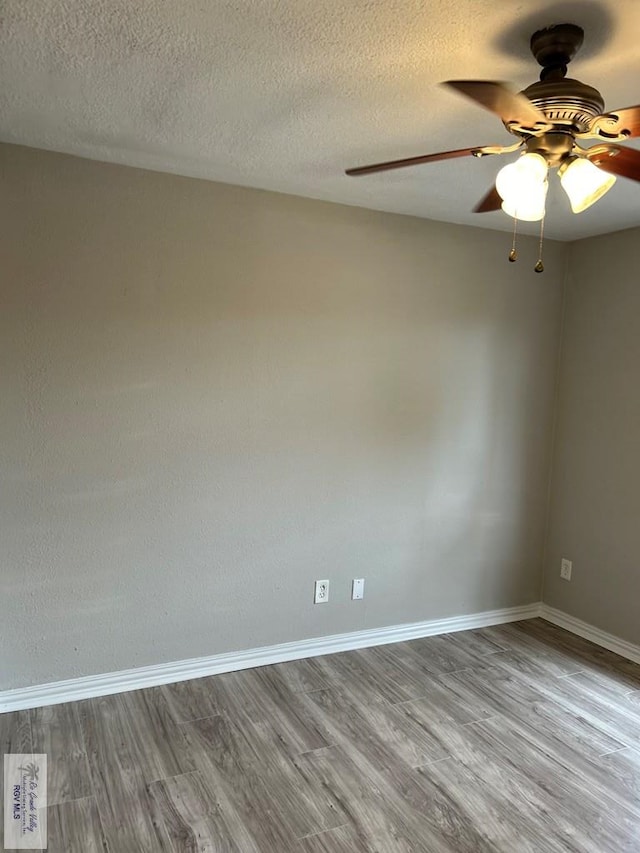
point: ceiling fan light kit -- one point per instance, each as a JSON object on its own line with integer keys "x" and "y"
{"x": 583, "y": 182}
{"x": 549, "y": 118}
{"x": 523, "y": 187}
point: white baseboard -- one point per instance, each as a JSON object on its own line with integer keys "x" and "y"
{"x": 168, "y": 673}
{"x": 589, "y": 632}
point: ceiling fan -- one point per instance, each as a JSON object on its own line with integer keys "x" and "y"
{"x": 548, "y": 118}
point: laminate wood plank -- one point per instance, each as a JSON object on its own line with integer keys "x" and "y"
{"x": 575, "y": 785}
{"x": 75, "y": 827}
{"x": 535, "y": 805}
{"x": 230, "y": 763}
{"x": 577, "y": 698}
{"x": 515, "y": 699}
{"x": 15, "y": 732}
{"x": 448, "y": 811}
{"x": 624, "y": 766}
{"x": 495, "y": 634}
{"x": 456, "y": 707}
{"x": 383, "y": 732}
{"x": 615, "y": 721}
{"x": 529, "y": 808}
{"x": 452, "y": 789}
{"x": 194, "y": 816}
{"x": 608, "y": 691}
{"x": 539, "y": 661}
{"x": 195, "y": 699}
{"x": 370, "y": 675}
{"x": 256, "y": 694}
{"x": 15, "y": 737}
{"x": 554, "y": 659}
{"x": 306, "y": 809}
{"x": 351, "y": 676}
{"x": 427, "y": 813}
{"x": 56, "y": 731}
{"x": 382, "y": 818}
{"x": 263, "y": 695}
{"x": 596, "y": 773}
{"x": 535, "y": 667}
{"x": 158, "y": 743}
{"x": 398, "y": 676}
{"x": 480, "y": 641}
{"x": 302, "y": 676}
{"x": 118, "y": 783}
{"x": 435, "y": 655}
{"x": 589, "y": 656}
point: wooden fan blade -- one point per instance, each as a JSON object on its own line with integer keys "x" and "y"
{"x": 492, "y": 201}
{"x": 510, "y": 106}
{"x": 412, "y": 161}
{"x": 616, "y": 159}
{"x": 625, "y": 121}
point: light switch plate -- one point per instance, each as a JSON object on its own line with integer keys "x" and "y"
{"x": 357, "y": 589}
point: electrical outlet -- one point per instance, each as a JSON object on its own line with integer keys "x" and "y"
{"x": 357, "y": 589}
{"x": 565, "y": 569}
{"x": 321, "y": 595}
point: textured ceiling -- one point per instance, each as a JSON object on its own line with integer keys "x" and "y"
{"x": 284, "y": 94}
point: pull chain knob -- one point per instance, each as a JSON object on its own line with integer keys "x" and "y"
{"x": 539, "y": 267}
{"x": 513, "y": 254}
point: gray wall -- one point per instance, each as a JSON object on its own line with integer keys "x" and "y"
{"x": 595, "y": 507}
{"x": 212, "y": 396}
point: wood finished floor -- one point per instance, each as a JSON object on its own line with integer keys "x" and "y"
{"x": 515, "y": 738}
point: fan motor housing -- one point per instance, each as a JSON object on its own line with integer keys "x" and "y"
{"x": 566, "y": 102}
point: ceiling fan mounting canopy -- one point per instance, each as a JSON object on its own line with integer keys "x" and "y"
{"x": 554, "y": 47}
{"x": 564, "y": 101}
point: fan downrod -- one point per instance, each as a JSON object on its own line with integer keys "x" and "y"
{"x": 554, "y": 48}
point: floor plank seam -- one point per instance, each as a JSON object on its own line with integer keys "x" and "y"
{"x": 323, "y": 831}
{"x": 197, "y": 719}
{"x": 149, "y": 782}
{"x": 567, "y": 675}
{"x": 74, "y": 800}
{"x": 435, "y": 761}
{"x": 613, "y": 751}
{"x": 316, "y": 751}
{"x": 482, "y": 720}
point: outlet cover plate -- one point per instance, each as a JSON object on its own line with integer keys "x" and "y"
{"x": 565, "y": 569}
{"x": 321, "y": 593}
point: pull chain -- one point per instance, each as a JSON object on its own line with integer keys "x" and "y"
{"x": 539, "y": 267}
{"x": 513, "y": 254}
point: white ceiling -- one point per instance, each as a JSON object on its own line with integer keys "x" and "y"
{"x": 285, "y": 94}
